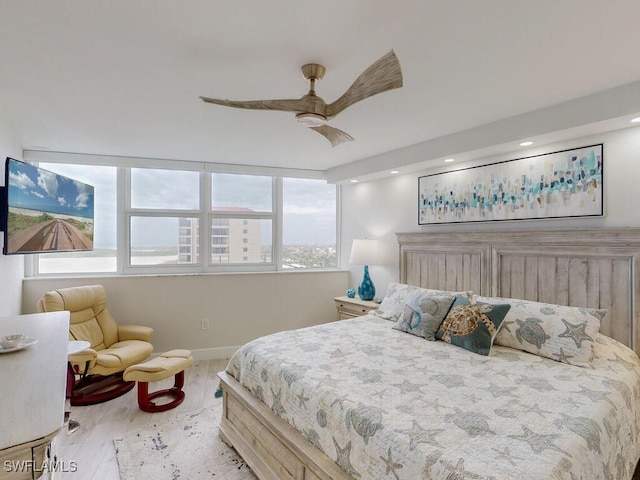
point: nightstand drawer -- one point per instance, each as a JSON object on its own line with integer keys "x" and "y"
{"x": 353, "y": 307}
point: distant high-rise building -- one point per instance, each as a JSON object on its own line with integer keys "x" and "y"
{"x": 188, "y": 246}
{"x": 233, "y": 240}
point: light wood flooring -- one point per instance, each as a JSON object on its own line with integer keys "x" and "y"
{"x": 91, "y": 446}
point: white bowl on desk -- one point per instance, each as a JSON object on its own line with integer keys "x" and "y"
{"x": 11, "y": 343}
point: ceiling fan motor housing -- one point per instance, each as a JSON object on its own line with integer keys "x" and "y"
{"x": 313, "y": 71}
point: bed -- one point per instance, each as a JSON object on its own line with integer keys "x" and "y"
{"x": 366, "y": 400}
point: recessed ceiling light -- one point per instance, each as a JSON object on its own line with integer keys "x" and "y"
{"x": 526, "y": 144}
{"x": 354, "y": 181}
{"x": 394, "y": 171}
{"x": 449, "y": 160}
{"x": 635, "y": 120}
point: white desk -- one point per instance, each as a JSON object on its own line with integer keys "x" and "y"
{"x": 33, "y": 381}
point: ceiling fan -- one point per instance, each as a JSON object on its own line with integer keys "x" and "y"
{"x": 313, "y": 112}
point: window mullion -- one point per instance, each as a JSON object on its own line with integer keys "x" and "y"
{"x": 123, "y": 205}
{"x": 277, "y": 227}
{"x": 205, "y": 219}
{"x": 339, "y": 226}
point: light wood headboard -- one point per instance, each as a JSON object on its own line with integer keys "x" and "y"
{"x": 595, "y": 268}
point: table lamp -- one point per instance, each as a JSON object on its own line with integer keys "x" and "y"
{"x": 365, "y": 252}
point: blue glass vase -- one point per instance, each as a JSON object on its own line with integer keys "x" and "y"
{"x": 366, "y": 290}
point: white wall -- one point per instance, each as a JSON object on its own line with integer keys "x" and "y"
{"x": 380, "y": 209}
{"x": 240, "y": 307}
{"x": 11, "y": 267}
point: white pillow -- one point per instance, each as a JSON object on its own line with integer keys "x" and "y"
{"x": 397, "y": 295}
{"x": 562, "y": 333}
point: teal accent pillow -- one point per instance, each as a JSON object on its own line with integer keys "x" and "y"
{"x": 423, "y": 312}
{"x": 472, "y": 326}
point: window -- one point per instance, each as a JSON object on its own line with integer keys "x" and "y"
{"x": 308, "y": 224}
{"x": 158, "y": 234}
{"x": 164, "y": 189}
{"x": 156, "y": 241}
{"x": 241, "y": 193}
{"x": 149, "y": 213}
{"x": 244, "y": 205}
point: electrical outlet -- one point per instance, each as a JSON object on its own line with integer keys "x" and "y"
{"x": 205, "y": 324}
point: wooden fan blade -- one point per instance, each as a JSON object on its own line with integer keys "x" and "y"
{"x": 294, "y": 105}
{"x": 334, "y": 135}
{"x": 384, "y": 74}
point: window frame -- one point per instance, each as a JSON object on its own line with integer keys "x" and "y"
{"x": 205, "y": 216}
{"x": 129, "y": 213}
{"x": 273, "y": 216}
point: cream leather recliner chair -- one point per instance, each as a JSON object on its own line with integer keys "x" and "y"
{"x": 112, "y": 348}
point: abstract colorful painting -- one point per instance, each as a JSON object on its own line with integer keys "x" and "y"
{"x": 553, "y": 185}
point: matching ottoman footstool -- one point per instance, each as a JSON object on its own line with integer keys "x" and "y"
{"x": 170, "y": 363}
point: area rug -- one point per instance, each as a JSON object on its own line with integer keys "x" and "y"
{"x": 184, "y": 448}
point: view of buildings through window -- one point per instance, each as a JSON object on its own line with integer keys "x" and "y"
{"x": 164, "y": 221}
{"x": 308, "y": 224}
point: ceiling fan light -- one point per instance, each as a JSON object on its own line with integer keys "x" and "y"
{"x": 311, "y": 119}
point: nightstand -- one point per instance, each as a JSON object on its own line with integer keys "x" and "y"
{"x": 353, "y": 307}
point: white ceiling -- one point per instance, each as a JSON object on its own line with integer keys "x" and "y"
{"x": 123, "y": 77}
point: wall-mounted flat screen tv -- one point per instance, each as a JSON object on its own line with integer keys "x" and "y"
{"x": 43, "y": 212}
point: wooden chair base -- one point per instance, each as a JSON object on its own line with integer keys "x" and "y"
{"x": 95, "y": 389}
{"x": 176, "y": 393}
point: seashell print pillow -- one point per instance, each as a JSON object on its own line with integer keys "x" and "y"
{"x": 472, "y": 326}
{"x": 423, "y": 312}
{"x": 562, "y": 333}
{"x": 393, "y": 302}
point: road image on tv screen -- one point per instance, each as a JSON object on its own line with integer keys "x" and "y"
{"x": 47, "y": 212}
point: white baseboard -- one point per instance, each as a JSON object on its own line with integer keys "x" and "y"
{"x": 213, "y": 353}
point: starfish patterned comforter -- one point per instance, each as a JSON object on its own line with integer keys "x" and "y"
{"x": 384, "y": 404}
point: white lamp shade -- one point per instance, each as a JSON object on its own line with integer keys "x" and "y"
{"x": 365, "y": 252}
